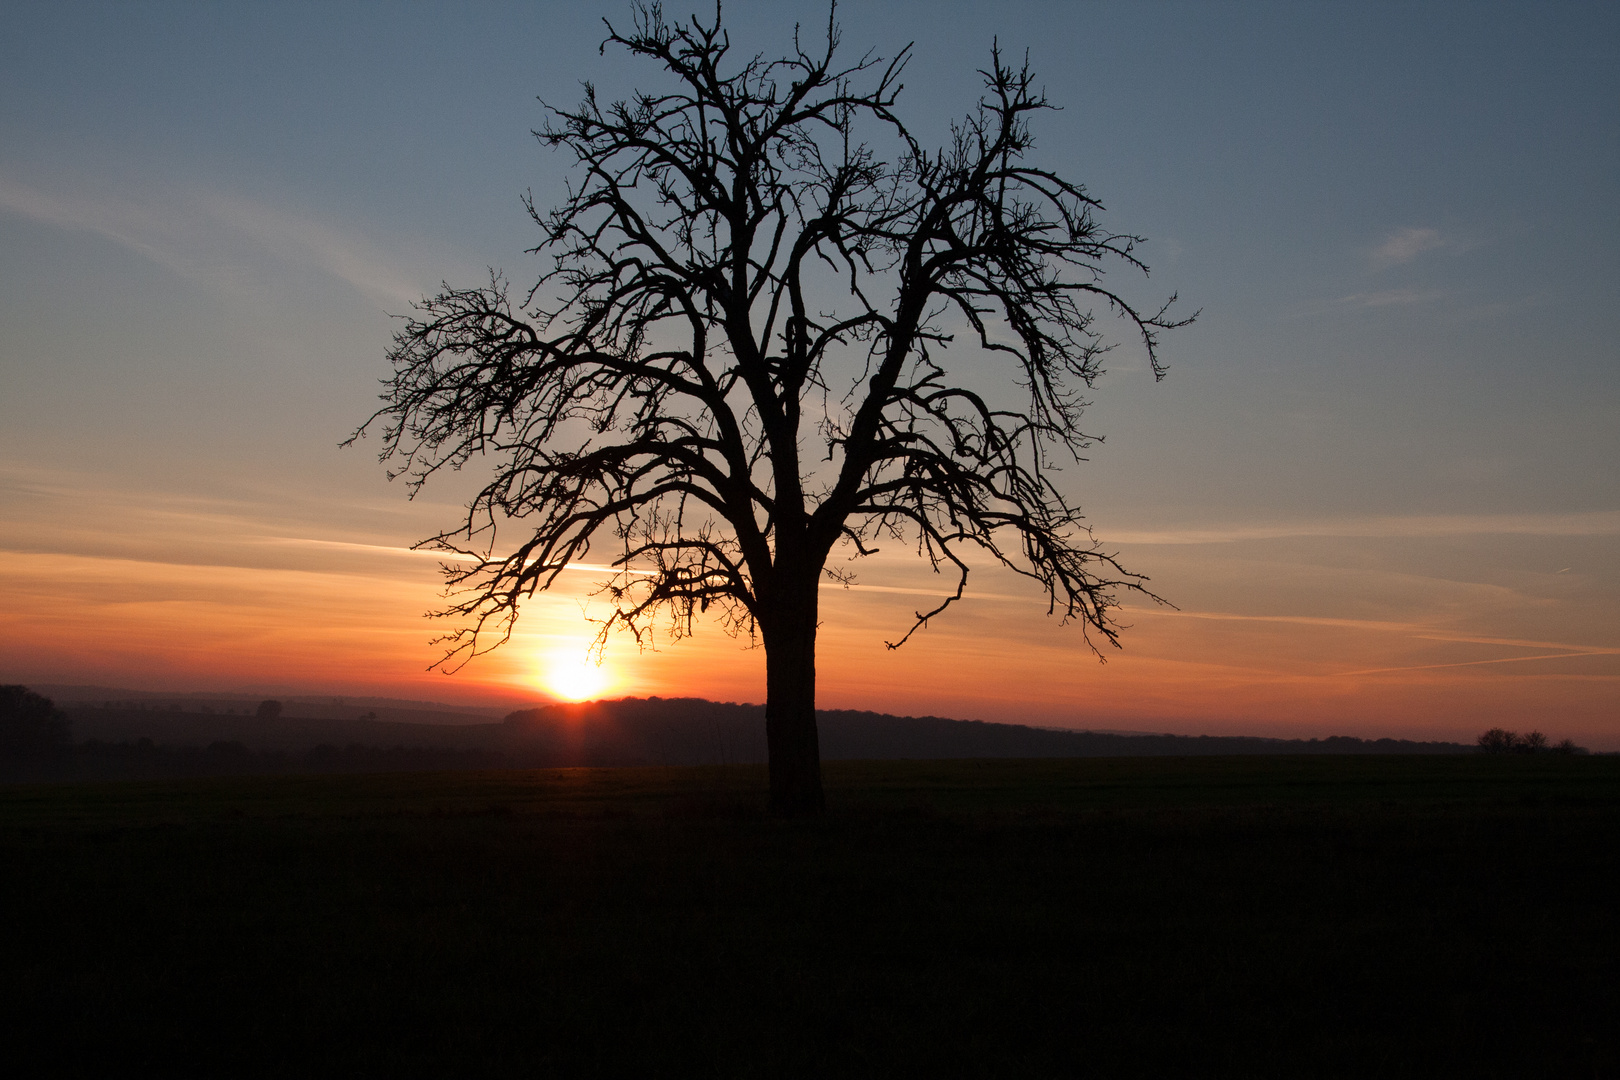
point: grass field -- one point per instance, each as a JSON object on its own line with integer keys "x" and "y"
{"x": 1285, "y": 916}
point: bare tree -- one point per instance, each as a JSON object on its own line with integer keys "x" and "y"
{"x": 775, "y": 323}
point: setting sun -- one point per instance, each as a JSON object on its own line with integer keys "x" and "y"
{"x": 573, "y": 673}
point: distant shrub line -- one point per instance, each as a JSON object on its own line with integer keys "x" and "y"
{"x": 1501, "y": 741}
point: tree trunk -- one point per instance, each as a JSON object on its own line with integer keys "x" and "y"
{"x": 790, "y": 705}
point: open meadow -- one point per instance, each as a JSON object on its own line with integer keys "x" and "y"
{"x": 1255, "y": 916}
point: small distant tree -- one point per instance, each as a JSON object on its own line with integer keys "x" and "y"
{"x": 31, "y": 724}
{"x": 776, "y": 324}
{"x": 1531, "y": 742}
{"x": 1497, "y": 741}
{"x": 268, "y": 710}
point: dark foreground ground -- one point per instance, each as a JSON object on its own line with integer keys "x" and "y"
{"x": 1363, "y": 916}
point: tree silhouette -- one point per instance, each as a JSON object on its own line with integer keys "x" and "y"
{"x": 1502, "y": 741}
{"x": 775, "y": 324}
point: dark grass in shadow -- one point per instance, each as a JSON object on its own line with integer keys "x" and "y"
{"x": 1349, "y": 916}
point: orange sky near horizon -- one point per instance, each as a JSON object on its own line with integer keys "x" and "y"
{"x": 1311, "y": 629}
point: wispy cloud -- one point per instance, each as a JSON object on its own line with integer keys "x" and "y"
{"x": 430, "y": 553}
{"x": 129, "y": 224}
{"x": 1520, "y": 643}
{"x": 1371, "y": 301}
{"x": 1393, "y": 298}
{"x": 1405, "y": 245}
{"x": 214, "y": 240}
{"x": 937, "y": 594}
{"x": 603, "y": 568}
{"x": 1482, "y": 663}
{"x": 1418, "y": 631}
{"x": 343, "y": 253}
{"x": 1368, "y": 625}
{"x": 373, "y": 549}
{"x": 1377, "y": 629}
{"x": 1597, "y": 523}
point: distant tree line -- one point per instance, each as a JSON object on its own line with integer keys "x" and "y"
{"x": 30, "y": 724}
{"x": 1501, "y": 741}
{"x": 36, "y": 743}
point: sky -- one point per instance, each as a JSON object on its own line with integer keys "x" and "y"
{"x": 1379, "y": 484}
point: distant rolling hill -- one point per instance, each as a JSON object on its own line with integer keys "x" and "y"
{"x": 680, "y": 731}
{"x": 306, "y": 706}
{"x": 664, "y": 731}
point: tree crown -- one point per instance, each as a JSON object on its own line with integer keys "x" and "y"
{"x": 774, "y": 323}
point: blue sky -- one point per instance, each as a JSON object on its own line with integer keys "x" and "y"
{"x": 1398, "y": 220}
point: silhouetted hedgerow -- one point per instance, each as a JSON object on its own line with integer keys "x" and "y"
{"x": 1501, "y": 741}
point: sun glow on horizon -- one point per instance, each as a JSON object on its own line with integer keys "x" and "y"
{"x": 574, "y": 672}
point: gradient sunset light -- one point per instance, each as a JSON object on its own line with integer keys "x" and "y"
{"x": 1379, "y": 485}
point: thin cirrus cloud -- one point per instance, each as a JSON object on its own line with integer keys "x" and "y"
{"x": 215, "y": 240}
{"x": 1483, "y": 663}
{"x": 1406, "y": 245}
{"x": 1595, "y": 523}
{"x": 122, "y": 221}
{"x": 594, "y": 568}
{"x": 1393, "y": 298}
{"x": 342, "y": 253}
{"x": 436, "y": 554}
{"x": 1418, "y": 631}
